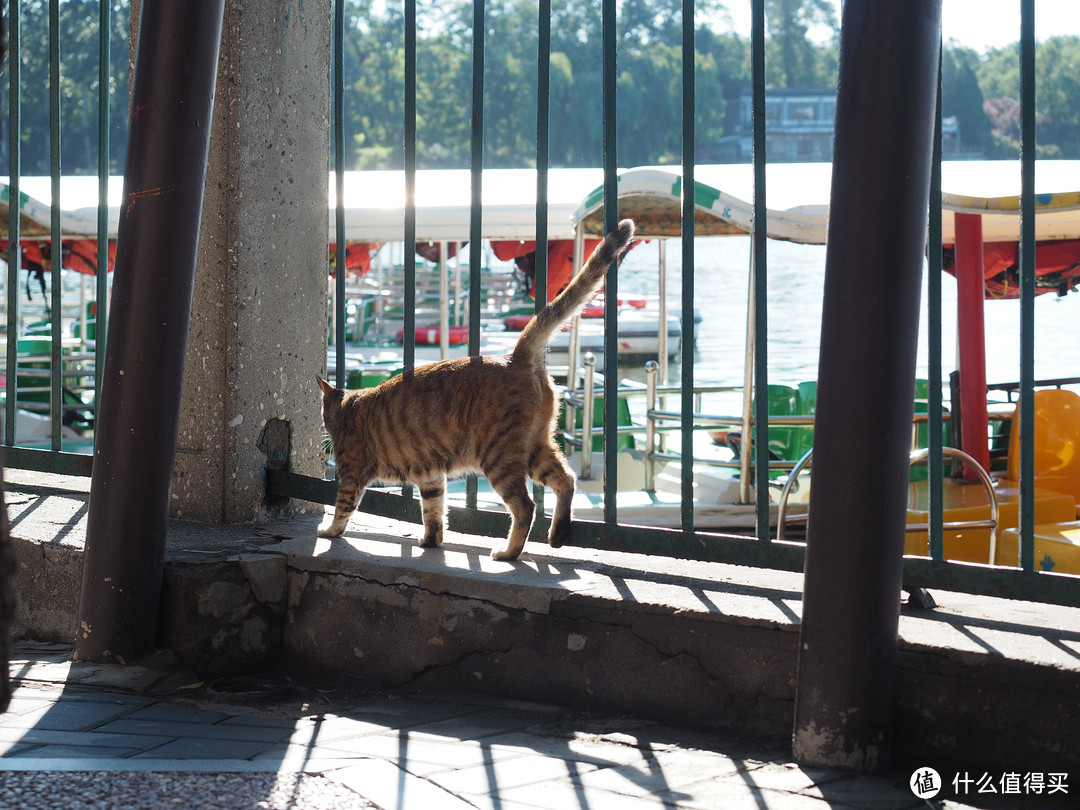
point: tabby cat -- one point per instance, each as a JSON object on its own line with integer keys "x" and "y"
{"x": 492, "y": 415}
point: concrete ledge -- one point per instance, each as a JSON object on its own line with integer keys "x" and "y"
{"x": 991, "y": 682}
{"x": 593, "y": 632}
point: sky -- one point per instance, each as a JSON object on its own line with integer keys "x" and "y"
{"x": 986, "y": 24}
{"x": 978, "y": 24}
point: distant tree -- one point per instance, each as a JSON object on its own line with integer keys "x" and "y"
{"x": 728, "y": 58}
{"x": 962, "y": 97}
{"x": 1057, "y": 61}
{"x": 791, "y": 58}
{"x": 1057, "y": 92}
{"x": 374, "y": 78}
{"x": 79, "y": 81}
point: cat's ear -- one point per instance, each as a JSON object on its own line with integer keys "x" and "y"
{"x": 327, "y": 389}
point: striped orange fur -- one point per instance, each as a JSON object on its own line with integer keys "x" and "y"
{"x": 490, "y": 415}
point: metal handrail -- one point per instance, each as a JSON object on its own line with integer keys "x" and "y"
{"x": 984, "y": 476}
{"x": 916, "y": 457}
{"x": 785, "y": 493}
{"x": 587, "y": 415}
{"x": 654, "y": 418}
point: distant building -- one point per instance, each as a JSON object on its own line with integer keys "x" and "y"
{"x": 798, "y": 129}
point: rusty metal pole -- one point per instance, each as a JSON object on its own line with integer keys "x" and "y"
{"x": 172, "y": 102}
{"x": 873, "y": 270}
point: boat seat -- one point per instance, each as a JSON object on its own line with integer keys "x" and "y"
{"x": 1057, "y": 547}
{"x": 921, "y": 433}
{"x": 786, "y": 442}
{"x": 1057, "y": 442}
{"x": 370, "y": 377}
{"x": 624, "y": 441}
{"x": 969, "y": 501}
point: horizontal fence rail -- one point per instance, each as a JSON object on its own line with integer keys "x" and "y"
{"x": 56, "y": 359}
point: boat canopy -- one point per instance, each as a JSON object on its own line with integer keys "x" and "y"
{"x": 374, "y": 205}
{"x": 797, "y": 197}
{"x": 799, "y": 212}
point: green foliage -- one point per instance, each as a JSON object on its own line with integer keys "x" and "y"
{"x": 981, "y": 91}
{"x": 79, "y": 81}
{"x": 962, "y": 97}
{"x": 791, "y": 58}
{"x": 649, "y": 84}
{"x": 1057, "y": 87}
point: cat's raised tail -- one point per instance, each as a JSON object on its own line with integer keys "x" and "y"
{"x": 535, "y": 337}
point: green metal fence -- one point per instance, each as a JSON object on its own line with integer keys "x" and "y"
{"x": 685, "y": 541}
{"x": 64, "y": 362}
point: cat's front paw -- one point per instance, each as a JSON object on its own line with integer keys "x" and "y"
{"x": 331, "y": 528}
{"x": 504, "y": 556}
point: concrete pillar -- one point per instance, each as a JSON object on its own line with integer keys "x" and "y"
{"x": 259, "y": 318}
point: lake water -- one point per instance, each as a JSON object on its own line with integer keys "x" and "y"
{"x": 796, "y": 276}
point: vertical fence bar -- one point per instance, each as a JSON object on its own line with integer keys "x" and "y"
{"x": 1027, "y": 284}
{"x": 611, "y": 289}
{"x": 56, "y": 249}
{"x": 408, "y": 303}
{"x": 338, "y": 134}
{"x": 543, "y": 126}
{"x": 759, "y": 263}
{"x": 935, "y": 472}
{"x": 408, "y": 315}
{"x": 687, "y": 349}
{"x": 101, "y": 277}
{"x": 476, "y": 169}
{"x": 14, "y": 252}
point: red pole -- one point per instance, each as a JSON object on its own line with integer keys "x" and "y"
{"x": 971, "y": 332}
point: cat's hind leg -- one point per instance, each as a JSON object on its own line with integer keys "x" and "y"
{"x": 350, "y": 488}
{"x": 549, "y": 467}
{"x": 433, "y": 506}
{"x": 515, "y": 494}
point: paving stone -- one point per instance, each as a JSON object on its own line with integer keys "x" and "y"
{"x": 866, "y": 792}
{"x": 82, "y": 694}
{"x": 663, "y": 772}
{"x": 178, "y": 713}
{"x": 77, "y": 752}
{"x": 161, "y": 728}
{"x": 289, "y": 723}
{"x": 389, "y": 786}
{"x": 14, "y": 749}
{"x": 787, "y": 777}
{"x": 498, "y": 774}
{"x": 723, "y": 793}
{"x": 21, "y": 705}
{"x": 71, "y": 716}
{"x": 198, "y": 748}
{"x": 419, "y": 753}
{"x": 322, "y": 730}
{"x": 481, "y": 726}
{"x": 560, "y": 795}
{"x": 37, "y": 736}
{"x": 585, "y": 749}
{"x": 419, "y": 756}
